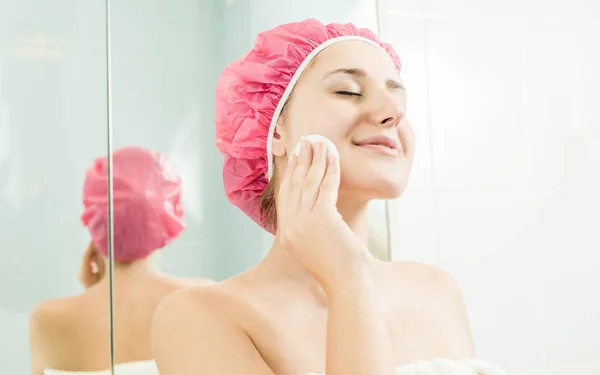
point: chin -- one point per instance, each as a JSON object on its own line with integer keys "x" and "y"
{"x": 375, "y": 185}
{"x": 388, "y": 190}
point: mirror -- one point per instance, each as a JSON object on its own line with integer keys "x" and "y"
{"x": 175, "y": 88}
{"x": 52, "y": 127}
{"x": 170, "y": 219}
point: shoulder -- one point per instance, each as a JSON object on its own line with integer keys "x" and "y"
{"x": 437, "y": 296}
{"x": 182, "y": 307}
{"x": 194, "y": 330}
{"x": 194, "y": 312}
{"x": 190, "y": 302}
{"x": 426, "y": 287}
{"x": 51, "y": 316}
{"x": 51, "y": 328}
{"x": 197, "y": 298}
{"x": 426, "y": 278}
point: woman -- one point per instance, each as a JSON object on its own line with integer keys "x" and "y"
{"x": 72, "y": 334}
{"x": 318, "y": 302}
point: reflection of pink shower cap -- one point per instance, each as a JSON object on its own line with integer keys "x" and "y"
{"x": 147, "y": 212}
{"x": 251, "y": 92}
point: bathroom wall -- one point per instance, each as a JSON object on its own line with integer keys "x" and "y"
{"x": 503, "y": 194}
{"x": 52, "y": 125}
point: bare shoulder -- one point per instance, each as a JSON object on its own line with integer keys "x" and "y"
{"x": 51, "y": 316}
{"x": 186, "y": 316}
{"x": 194, "y": 330}
{"x": 423, "y": 284}
{"x": 424, "y": 277}
{"x": 51, "y": 329}
{"x": 191, "y": 302}
{"x": 185, "y": 306}
{"x": 438, "y": 298}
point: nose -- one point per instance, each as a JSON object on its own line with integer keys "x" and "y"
{"x": 387, "y": 109}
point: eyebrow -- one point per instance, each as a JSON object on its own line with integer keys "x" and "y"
{"x": 360, "y": 73}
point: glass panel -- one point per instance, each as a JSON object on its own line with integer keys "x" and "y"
{"x": 52, "y": 126}
{"x": 166, "y": 59}
{"x": 169, "y": 207}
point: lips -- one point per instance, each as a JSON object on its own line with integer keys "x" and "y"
{"x": 378, "y": 140}
{"x": 380, "y": 144}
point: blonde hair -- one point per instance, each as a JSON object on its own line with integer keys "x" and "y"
{"x": 268, "y": 206}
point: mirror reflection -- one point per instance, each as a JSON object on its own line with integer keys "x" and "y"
{"x": 147, "y": 216}
{"x": 52, "y": 125}
{"x": 161, "y": 91}
{"x": 165, "y": 62}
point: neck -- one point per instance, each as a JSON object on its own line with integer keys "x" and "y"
{"x": 280, "y": 261}
{"x": 354, "y": 213}
{"x": 123, "y": 272}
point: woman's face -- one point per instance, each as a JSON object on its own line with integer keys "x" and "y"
{"x": 352, "y": 95}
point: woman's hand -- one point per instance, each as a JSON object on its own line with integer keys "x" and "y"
{"x": 310, "y": 226}
{"x": 92, "y": 267}
{"x": 312, "y": 229}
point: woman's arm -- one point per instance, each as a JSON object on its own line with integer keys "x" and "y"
{"x": 190, "y": 337}
{"x": 358, "y": 340}
{"x": 312, "y": 230}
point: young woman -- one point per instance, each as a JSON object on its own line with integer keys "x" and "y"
{"x": 318, "y": 302}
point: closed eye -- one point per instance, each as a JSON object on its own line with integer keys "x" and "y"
{"x": 348, "y": 93}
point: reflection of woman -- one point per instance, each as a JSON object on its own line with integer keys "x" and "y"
{"x": 318, "y": 302}
{"x": 73, "y": 333}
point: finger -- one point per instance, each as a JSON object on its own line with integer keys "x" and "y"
{"x": 328, "y": 192}
{"x": 314, "y": 177}
{"x": 297, "y": 184}
{"x": 85, "y": 276}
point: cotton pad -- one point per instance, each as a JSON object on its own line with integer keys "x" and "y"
{"x": 313, "y": 139}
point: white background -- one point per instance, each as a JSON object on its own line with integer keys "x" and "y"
{"x": 504, "y": 193}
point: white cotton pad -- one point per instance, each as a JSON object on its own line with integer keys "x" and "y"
{"x": 314, "y": 138}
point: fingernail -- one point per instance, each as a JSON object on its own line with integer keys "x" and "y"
{"x": 318, "y": 148}
{"x": 292, "y": 159}
{"x": 331, "y": 159}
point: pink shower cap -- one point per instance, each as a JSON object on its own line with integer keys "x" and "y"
{"x": 147, "y": 213}
{"x": 250, "y": 95}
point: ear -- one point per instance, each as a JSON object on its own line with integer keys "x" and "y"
{"x": 279, "y": 141}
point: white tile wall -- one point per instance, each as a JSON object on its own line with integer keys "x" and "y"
{"x": 503, "y": 98}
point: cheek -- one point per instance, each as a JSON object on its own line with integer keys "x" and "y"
{"x": 407, "y": 137}
{"x": 326, "y": 117}
{"x": 336, "y": 120}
